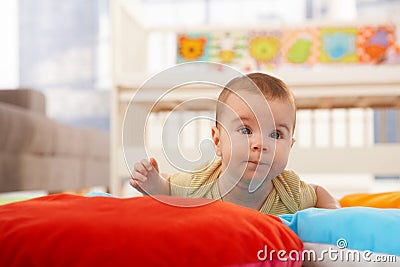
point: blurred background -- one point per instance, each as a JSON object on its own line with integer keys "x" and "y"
{"x": 64, "y": 48}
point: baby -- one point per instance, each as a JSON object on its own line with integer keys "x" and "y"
{"x": 253, "y": 137}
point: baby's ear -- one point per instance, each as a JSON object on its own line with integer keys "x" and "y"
{"x": 215, "y": 136}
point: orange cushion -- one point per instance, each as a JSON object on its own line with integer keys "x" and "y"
{"x": 68, "y": 230}
{"x": 378, "y": 200}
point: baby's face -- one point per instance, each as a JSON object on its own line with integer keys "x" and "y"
{"x": 254, "y": 139}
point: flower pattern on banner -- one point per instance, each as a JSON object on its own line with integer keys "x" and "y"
{"x": 228, "y": 47}
{"x": 264, "y": 48}
{"x": 374, "y": 43}
{"x": 338, "y": 45}
{"x": 299, "y": 46}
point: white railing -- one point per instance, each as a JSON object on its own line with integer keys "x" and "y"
{"x": 334, "y": 147}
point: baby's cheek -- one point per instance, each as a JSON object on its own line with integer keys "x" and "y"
{"x": 281, "y": 158}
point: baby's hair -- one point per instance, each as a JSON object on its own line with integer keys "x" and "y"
{"x": 271, "y": 87}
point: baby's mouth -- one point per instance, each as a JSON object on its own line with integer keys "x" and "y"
{"x": 256, "y": 162}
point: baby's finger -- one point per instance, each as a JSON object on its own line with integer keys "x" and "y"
{"x": 135, "y": 184}
{"x": 154, "y": 163}
{"x": 147, "y": 164}
{"x": 138, "y": 167}
{"x": 138, "y": 176}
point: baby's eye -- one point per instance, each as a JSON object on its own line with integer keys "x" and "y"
{"x": 276, "y": 135}
{"x": 245, "y": 130}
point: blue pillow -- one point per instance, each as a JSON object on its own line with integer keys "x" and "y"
{"x": 358, "y": 228}
{"x": 98, "y": 194}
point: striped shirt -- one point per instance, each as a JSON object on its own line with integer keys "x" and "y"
{"x": 289, "y": 193}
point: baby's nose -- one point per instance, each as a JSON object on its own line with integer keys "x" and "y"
{"x": 259, "y": 147}
{"x": 259, "y": 144}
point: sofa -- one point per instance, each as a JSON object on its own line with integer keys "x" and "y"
{"x": 40, "y": 153}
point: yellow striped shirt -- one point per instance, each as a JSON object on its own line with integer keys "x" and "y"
{"x": 289, "y": 193}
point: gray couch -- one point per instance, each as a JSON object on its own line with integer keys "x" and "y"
{"x": 39, "y": 153}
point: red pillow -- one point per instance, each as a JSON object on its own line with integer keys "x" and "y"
{"x": 69, "y": 230}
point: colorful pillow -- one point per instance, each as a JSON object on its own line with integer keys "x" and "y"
{"x": 367, "y": 232}
{"x": 378, "y": 200}
{"x": 68, "y": 230}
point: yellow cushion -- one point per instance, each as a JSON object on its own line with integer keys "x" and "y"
{"x": 377, "y": 200}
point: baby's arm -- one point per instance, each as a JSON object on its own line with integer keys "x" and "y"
{"x": 147, "y": 179}
{"x": 324, "y": 198}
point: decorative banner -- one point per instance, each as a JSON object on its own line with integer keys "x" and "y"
{"x": 299, "y": 47}
{"x": 303, "y": 47}
{"x": 374, "y": 43}
{"x": 338, "y": 45}
{"x": 192, "y": 47}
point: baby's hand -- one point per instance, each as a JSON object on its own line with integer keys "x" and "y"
{"x": 146, "y": 178}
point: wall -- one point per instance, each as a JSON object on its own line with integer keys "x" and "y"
{"x": 8, "y": 44}
{"x": 61, "y": 48}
